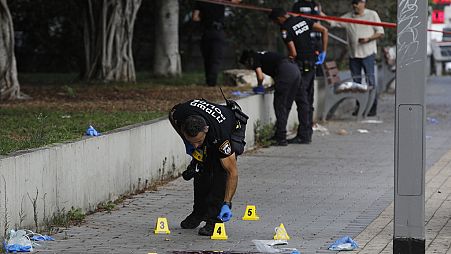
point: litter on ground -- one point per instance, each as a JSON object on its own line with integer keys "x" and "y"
{"x": 344, "y": 243}
{"x": 268, "y": 246}
{"x": 342, "y": 132}
{"x": 371, "y": 121}
{"x": 321, "y": 129}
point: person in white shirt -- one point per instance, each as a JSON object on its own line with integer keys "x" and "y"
{"x": 362, "y": 44}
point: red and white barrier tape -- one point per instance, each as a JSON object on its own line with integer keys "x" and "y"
{"x": 317, "y": 17}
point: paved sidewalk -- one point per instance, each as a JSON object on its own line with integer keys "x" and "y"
{"x": 336, "y": 186}
{"x": 377, "y": 237}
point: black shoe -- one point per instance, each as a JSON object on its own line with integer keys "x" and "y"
{"x": 209, "y": 227}
{"x": 282, "y": 142}
{"x": 192, "y": 221}
{"x": 371, "y": 114}
{"x": 298, "y": 140}
{"x": 356, "y": 111}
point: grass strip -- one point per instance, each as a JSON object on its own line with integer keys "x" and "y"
{"x": 22, "y": 128}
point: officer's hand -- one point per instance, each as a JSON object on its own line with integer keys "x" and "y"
{"x": 321, "y": 57}
{"x": 225, "y": 214}
{"x": 260, "y": 89}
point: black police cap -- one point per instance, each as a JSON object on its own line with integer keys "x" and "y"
{"x": 277, "y": 12}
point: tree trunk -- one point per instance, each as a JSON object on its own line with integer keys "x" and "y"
{"x": 108, "y": 35}
{"x": 9, "y": 84}
{"x": 166, "y": 55}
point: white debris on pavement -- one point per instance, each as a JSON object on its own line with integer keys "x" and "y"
{"x": 321, "y": 129}
{"x": 362, "y": 131}
{"x": 371, "y": 121}
{"x": 267, "y": 246}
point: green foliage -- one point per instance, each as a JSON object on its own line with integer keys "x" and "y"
{"x": 46, "y": 78}
{"x": 70, "y": 81}
{"x": 188, "y": 78}
{"x": 23, "y": 128}
{"x": 76, "y": 215}
{"x": 107, "y": 206}
{"x": 48, "y": 34}
{"x": 262, "y": 133}
{"x": 65, "y": 219}
{"x": 70, "y": 91}
{"x": 252, "y": 29}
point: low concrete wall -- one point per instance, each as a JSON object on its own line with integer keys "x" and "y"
{"x": 84, "y": 173}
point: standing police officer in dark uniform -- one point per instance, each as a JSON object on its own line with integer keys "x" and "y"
{"x": 211, "y": 17}
{"x": 313, "y": 8}
{"x": 296, "y": 35}
{"x": 287, "y": 79}
{"x": 210, "y": 133}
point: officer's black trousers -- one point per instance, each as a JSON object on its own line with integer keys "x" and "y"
{"x": 209, "y": 190}
{"x": 286, "y": 85}
{"x": 212, "y": 48}
{"x": 304, "y": 103}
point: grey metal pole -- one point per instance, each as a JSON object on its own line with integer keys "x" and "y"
{"x": 409, "y": 236}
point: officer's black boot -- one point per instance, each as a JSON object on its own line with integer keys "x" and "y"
{"x": 191, "y": 221}
{"x": 207, "y": 230}
{"x": 299, "y": 140}
{"x": 280, "y": 142}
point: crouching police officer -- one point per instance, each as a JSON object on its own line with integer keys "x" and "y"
{"x": 214, "y": 135}
{"x": 287, "y": 81}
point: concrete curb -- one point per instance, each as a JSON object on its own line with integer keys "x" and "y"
{"x": 84, "y": 173}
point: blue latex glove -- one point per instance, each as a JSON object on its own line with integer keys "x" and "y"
{"x": 42, "y": 238}
{"x": 259, "y": 89}
{"x": 17, "y": 248}
{"x": 92, "y": 132}
{"x": 321, "y": 57}
{"x": 225, "y": 214}
{"x": 344, "y": 243}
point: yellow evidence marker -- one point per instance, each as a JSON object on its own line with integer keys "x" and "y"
{"x": 219, "y": 233}
{"x": 250, "y": 213}
{"x": 281, "y": 233}
{"x": 162, "y": 226}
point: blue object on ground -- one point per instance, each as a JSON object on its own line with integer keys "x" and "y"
{"x": 13, "y": 248}
{"x": 432, "y": 120}
{"x": 258, "y": 89}
{"x": 240, "y": 94}
{"x": 42, "y": 238}
{"x": 92, "y": 132}
{"x": 344, "y": 243}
